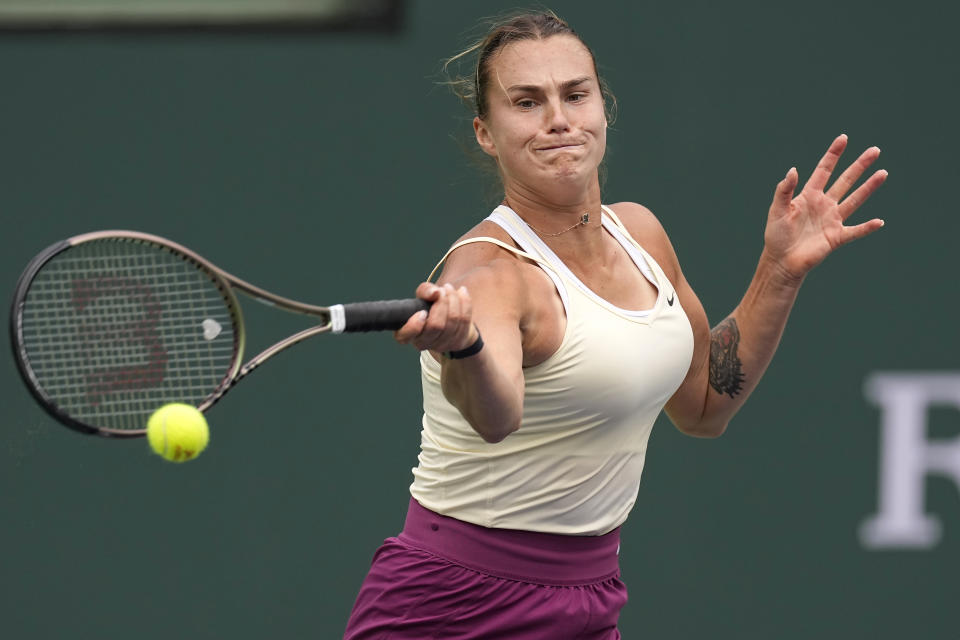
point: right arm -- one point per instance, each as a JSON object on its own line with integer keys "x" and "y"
{"x": 478, "y": 291}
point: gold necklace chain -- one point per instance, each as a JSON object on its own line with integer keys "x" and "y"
{"x": 584, "y": 219}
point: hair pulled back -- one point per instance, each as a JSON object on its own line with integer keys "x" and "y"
{"x": 472, "y": 88}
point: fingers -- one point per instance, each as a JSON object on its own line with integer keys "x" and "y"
{"x": 412, "y": 328}
{"x": 416, "y": 323}
{"x": 447, "y": 327}
{"x": 849, "y": 177}
{"x": 858, "y": 231}
{"x": 436, "y": 322}
{"x": 821, "y": 175}
{"x": 449, "y": 323}
{"x": 864, "y": 191}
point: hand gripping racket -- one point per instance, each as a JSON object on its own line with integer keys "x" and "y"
{"x": 109, "y": 326}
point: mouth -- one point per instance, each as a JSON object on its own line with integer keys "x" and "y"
{"x": 560, "y": 147}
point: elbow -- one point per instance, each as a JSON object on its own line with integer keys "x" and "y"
{"x": 715, "y": 430}
{"x": 704, "y": 428}
{"x": 492, "y": 418}
{"x": 493, "y": 434}
{"x": 492, "y": 421}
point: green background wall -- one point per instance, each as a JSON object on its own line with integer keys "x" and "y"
{"x": 323, "y": 166}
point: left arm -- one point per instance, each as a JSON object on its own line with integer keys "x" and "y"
{"x": 801, "y": 231}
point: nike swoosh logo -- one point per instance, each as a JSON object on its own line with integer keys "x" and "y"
{"x": 670, "y": 299}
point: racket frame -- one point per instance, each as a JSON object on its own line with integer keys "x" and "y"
{"x": 225, "y": 282}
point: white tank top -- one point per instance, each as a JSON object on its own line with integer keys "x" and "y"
{"x": 574, "y": 465}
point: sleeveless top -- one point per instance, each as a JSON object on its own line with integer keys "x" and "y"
{"x": 574, "y": 465}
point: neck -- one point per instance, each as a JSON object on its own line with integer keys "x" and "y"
{"x": 557, "y": 215}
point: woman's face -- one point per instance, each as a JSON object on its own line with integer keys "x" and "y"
{"x": 545, "y": 121}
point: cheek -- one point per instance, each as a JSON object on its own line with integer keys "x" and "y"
{"x": 600, "y": 133}
{"x": 511, "y": 140}
{"x": 598, "y": 120}
{"x": 597, "y": 130}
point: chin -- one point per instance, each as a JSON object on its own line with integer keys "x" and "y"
{"x": 574, "y": 172}
{"x": 568, "y": 186}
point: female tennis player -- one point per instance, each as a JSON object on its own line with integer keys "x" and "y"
{"x": 560, "y": 328}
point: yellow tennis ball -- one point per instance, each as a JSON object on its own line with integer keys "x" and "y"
{"x": 178, "y": 432}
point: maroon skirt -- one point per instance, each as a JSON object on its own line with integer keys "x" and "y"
{"x": 445, "y": 578}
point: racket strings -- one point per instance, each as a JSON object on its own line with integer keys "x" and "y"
{"x": 112, "y": 329}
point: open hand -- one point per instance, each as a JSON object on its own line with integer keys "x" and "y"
{"x": 803, "y": 230}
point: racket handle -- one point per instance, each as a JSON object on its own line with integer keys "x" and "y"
{"x": 382, "y": 315}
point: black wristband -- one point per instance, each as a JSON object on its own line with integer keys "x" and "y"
{"x": 469, "y": 351}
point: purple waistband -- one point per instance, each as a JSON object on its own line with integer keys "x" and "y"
{"x": 529, "y": 556}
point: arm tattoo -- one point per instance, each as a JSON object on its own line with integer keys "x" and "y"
{"x": 726, "y": 373}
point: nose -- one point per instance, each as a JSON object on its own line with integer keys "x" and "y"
{"x": 556, "y": 117}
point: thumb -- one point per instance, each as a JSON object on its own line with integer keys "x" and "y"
{"x": 785, "y": 189}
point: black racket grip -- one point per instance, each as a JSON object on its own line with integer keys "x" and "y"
{"x": 382, "y": 315}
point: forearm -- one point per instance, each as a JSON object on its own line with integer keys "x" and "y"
{"x": 489, "y": 398}
{"x": 802, "y": 230}
{"x": 743, "y": 344}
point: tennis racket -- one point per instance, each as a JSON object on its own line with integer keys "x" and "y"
{"x": 109, "y": 326}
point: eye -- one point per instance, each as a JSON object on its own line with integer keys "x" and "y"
{"x": 526, "y": 103}
{"x": 576, "y": 97}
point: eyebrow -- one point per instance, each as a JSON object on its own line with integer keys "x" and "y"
{"x": 569, "y": 84}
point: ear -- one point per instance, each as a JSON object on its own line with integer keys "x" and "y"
{"x": 484, "y": 139}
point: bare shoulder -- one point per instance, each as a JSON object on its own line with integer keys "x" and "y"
{"x": 510, "y": 293}
{"x": 481, "y": 259}
{"x": 647, "y": 230}
{"x": 640, "y": 222}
